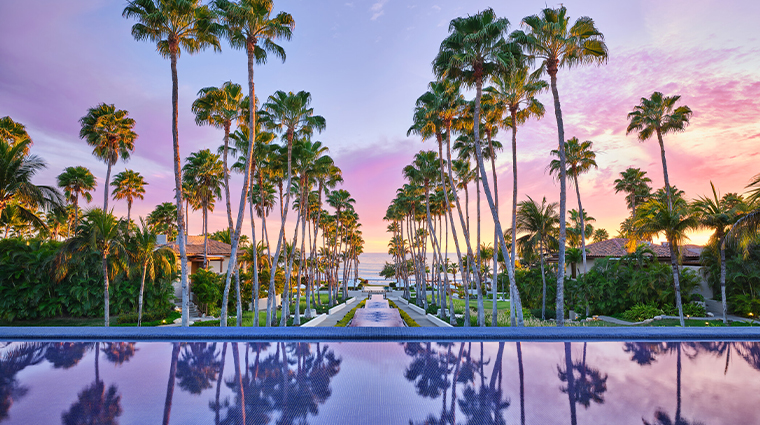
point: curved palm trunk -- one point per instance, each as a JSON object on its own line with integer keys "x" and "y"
{"x": 142, "y": 291}
{"x": 105, "y": 284}
{"x": 562, "y": 199}
{"x": 497, "y": 223}
{"x": 181, "y": 235}
{"x": 231, "y": 268}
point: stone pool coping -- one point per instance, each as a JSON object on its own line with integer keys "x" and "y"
{"x": 549, "y": 334}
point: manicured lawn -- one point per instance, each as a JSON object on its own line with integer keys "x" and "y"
{"x": 696, "y": 323}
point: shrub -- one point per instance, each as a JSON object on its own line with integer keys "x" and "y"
{"x": 550, "y": 312}
{"x": 404, "y": 316}
{"x": 690, "y": 309}
{"x": 641, "y": 312}
{"x": 148, "y": 316}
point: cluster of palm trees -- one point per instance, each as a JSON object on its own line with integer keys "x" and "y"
{"x": 479, "y": 52}
{"x": 250, "y": 25}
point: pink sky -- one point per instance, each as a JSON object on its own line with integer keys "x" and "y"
{"x": 365, "y": 63}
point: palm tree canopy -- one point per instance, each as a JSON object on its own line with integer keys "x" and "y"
{"x": 204, "y": 174}
{"x": 635, "y": 183}
{"x": 437, "y": 108}
{"x": 658, "y": 113}
{"x": 77, "y": 181}
{"x": 580, "y": 158}
{"x": 144, "y": 251}
{"x": 163, "y": 220}
{"x": 290, "y": 114}
{"x": 220, "y": 106}
{"x": 550, "y": 38}
{"x": 174, "y": 25}
{"x": 129, "y": 185}
{"x": 517, "y": 89}
{"x": 13, "y": 132}
{"x": 16, "y": 173}
{"x": 249, "y": 25}
{"x": 472, "y": 49}
{"x": 424, "y": 169}
{"x": 654, "y": 218}
{"x": 109, "y": 131}
{"x": 718, "y": 213}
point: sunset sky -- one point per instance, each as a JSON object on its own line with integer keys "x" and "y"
{"x": 365, "y": 63}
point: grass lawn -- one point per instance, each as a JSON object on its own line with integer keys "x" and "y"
{"x": 696, "y": 323}
{"x": 459, "y": 304}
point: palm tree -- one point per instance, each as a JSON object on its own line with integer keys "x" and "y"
{"x": 219, "y": 107}
{"x": 12, "y": 132}
{"x": 517, "y": 90}
{"x": 719, "y": 214}
{"x": 163, "y": 220}
{"x": 600, "y": 235}
{"x": 16, "y": 185}
{"x": 109, "y": 131}
{"x": 75, "y": 182}
{"x": 550, "y": 39}
{"x": 470, "y": 55}
{"x": 249, "y": 25}
{"x": 204, "y": 173}
{"x": 658, "y": 115}
{"x": 100, "y": 232}
{"x": 128, "y": 184}
{"x": 290, "y": 114}
{"x": 175, "y": 26}
{"x": 540, "y": 222}
{"x": 150, "y": 257}
{"x": 635, "y": 183}
{"x": 579, "y": 159}
{"x": 674, "y": 220}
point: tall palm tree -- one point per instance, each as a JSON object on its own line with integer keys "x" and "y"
{"x": 101, "y": 232}
{"x": 12, "y": 132}
{"x": 291, "y": 115}
{"x": 470, "y": 55}
{"x": 204, "y": 173}
{"x": 719, "y": 214}
{"x": 109, "y": 131}
{"x": 341, "y": 201}
{"x": 16, "y": 172}
{"x": 674, "y": 220}
{"x": 540, "y": 222}
{"x": 150, "y": 257}
{"x": 550, "y": 39}
{"x": 658, "y": 115}
{"x": 129, "y": 184}
{"x": 517, "y": 90}
{"x": 249, "y": 25}
{"x": 219, "y": 107}
{"x": 175, "y": 26}
{"x": 635, "y": 183}
{"x": 75, "y": 182}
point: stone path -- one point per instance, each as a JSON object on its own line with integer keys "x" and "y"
{"x": 420, "y": 318}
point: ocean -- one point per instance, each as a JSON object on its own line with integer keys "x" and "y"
{"x": 371, "y": 263}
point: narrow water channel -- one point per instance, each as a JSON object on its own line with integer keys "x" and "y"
{"x": 377, "y": 313}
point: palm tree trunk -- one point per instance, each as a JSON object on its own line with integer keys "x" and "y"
{"x": 436, "y": 245}
{"x": 142, "y": 291}
{"x": 665, "y": 171}
{"x": 105, "y": 285}
{"x": 722, "y": 244}
{"x": 129, "y": 211}
{"x": 562, "y": 201}
{"x": 465, "y": 226}
{"x": 76, "y": 214}
{"x": 255, "y": 294}
{"x": 105, "y": 188}
{"x": 511, "y": 275}
{"x": 676, "y": 279}
{"x": 515, "y": 299}
{"x": 543, "y": 278}
{"x": 288, "y": 272}
{"x": 494, "y": 272}
{"x": 227, "y": 175}
{"x": 479, "y": 267}
{"x": 205, "y": 237}
{"x": 181, "y": 235}
{"x": 243, "y": 195}
{"x": 583, "y": 222}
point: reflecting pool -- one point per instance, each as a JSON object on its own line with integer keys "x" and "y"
{"x": 380, "y": 383}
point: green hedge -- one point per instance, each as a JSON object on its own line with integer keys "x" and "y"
{"x": 409, "y": 321}
{"x": 148, "y": 316}
{"x": 28, "y": 289}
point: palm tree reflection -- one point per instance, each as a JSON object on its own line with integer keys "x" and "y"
{"x": 197, "y": 367}
{"x": 13, "y": 361}
{"x": 95, "y": 405}
{"x": 585, "y": 384}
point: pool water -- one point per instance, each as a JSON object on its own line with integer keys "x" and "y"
{"x": 380, "y": 383}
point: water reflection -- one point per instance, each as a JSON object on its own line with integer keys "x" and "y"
{"x": 420, "y": 383}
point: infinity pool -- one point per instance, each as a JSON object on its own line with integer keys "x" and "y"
{"x": 380, "y": 383}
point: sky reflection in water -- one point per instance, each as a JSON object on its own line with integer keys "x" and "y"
{"x": 383, "y": 383}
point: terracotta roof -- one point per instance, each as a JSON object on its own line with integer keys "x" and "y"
{"x": 195, "y": 247}
{"x": 615, "y": 247}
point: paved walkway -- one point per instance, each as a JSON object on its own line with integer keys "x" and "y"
{"x": 421, "y": 319}
{"x": 333, "y": 319}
